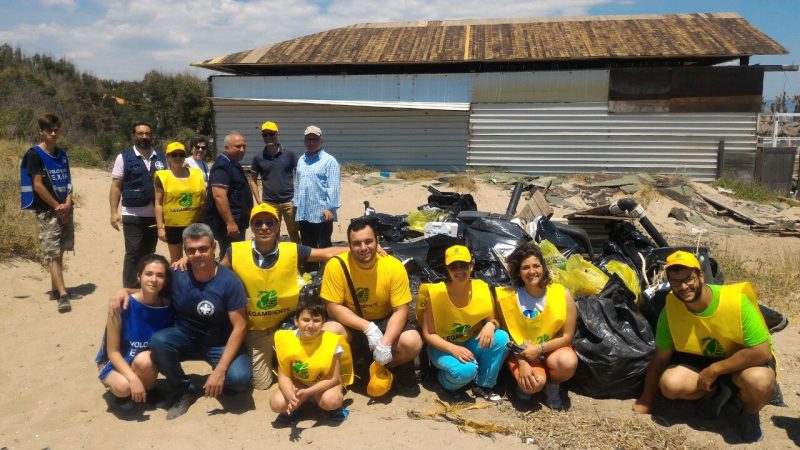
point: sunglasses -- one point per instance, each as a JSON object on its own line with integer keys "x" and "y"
{"x": 268, "y": 133}
{"x": 192, "y": 250}
{"x": 201, "y": 147}
{"x": 177, "y": 155}
{"x": 258, "y": 223}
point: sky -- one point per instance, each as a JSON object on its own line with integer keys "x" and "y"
{"x": 125, "y": 39}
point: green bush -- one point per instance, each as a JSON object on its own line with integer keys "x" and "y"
{"x": 84, "y": 157}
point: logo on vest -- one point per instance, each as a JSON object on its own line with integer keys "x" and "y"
{"x": 267, "y": 299}
{"x": 300, "y": 369}
{"x": 159, "y": 165}
{"x": 363, "y": 295}
{"x": 712, "y": 347}
{"x": 205, "y": 308}
{"x": 543, "y": 338}
{"x": 185, "y": 200}
{"x": 459, "y": 331}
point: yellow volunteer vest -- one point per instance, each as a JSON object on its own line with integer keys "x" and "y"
{"x": 718, "y": 335}
{"x": 183, "y": 197}
{"x": 309, "y": 362}
{"x": 540, "y": 329}
{"x": 272, "y": 294}
{"x": 458, "y": 324}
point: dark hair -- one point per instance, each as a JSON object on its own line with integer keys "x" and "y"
{"x": 139, "y": 123}
{"x": 49, "y": 122}
{"x": 197, "y": 139}
{"x": 155, "y": 258}
{"x": 358, "y": 224}
{"x": 521, "y": 253}
{"x": 314, "y": 305}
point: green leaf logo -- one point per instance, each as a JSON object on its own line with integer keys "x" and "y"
{"x": 300, "y": 369}
{"x": 185, "y": 200}
{"x": 712, "y": 347}
{"x": 363, "y": 295}
{"x": 461, "y": 329}
{"x": 267, "y": 299}
{"x": 543, "y": 338}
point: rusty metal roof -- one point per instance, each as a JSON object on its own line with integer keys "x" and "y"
{"x": 680, "y": 39}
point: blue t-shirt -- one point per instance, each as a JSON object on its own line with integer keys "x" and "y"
{"x": 201, "y": 309}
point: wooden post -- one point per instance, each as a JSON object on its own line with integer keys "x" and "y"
{"x": 720, "y": 157}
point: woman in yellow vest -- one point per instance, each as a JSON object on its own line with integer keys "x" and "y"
{"x": 465, "y": 341}
{"x": 180, "y": 195}
{"x": 312, "y": 364}
{"x": 540, "y": 317}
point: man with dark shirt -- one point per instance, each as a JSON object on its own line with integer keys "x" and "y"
{"x": 229, "y": 198}
{"x": 46, "y": 188}
{"x": 275, "y": 166}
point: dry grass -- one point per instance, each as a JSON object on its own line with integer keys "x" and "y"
{"x": 554, "y": 430}
{"x": 18, "y": 234}
{"x": 774, "y": 276}
{"x": 462, "y": 182}
{"x": 646, "y": 194}
{"x": 357, "y": 169}
{"x": 416, "y": 175}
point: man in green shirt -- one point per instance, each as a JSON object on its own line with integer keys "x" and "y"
{"x": 707, "y": 337}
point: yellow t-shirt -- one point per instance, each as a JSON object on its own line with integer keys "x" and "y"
{"x": 379, "y": 289}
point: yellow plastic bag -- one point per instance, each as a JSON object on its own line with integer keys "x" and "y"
{"x": 583, "y": 277}
{"x": 627, "y": 274}
{"x": 417, "y": 219}
{"x": 553, "y": 258}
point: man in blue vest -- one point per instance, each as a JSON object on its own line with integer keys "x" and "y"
{"x": 46, "y": 188}
{"x": 229, "y": 198}
{"x": 132, "y": 183}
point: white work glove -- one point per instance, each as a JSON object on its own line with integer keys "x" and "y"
{"x": 382, "y": 354}
{"x": 373, "y": 334}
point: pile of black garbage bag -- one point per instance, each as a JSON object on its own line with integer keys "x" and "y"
{"x": 614, "y": 337}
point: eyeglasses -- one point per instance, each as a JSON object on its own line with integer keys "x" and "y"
{"x": 201, "y": 147}
{"x": 192, "y": 250}
{"x": 258, "y": 223}
{"x": 458, "y": 265}
{"x": 177, "y": 155}
{"x": 687, "y": 281}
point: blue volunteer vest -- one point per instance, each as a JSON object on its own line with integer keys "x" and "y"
{"x": 137, "y": 181}
{"x": 139, "y": 322}
{"x": 57, "y": 167}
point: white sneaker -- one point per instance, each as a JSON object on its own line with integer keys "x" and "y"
{"x": 552, "y": 398}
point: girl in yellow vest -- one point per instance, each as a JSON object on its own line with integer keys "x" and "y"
{"x": 312, "y": 364}
{"x": 465, "y": 341}
{"x": 180, "y": 195}
{"x": 540, "y": 317}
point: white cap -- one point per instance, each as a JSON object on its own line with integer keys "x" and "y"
{"x": 312, "y": 129}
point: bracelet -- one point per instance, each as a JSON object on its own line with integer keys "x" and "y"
{"x": 495, "y": 323}
{"x": 541, "y": 352}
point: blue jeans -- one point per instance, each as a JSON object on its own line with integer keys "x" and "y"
{"x": 170, "y": 346}
{"x": 453, "y": 374}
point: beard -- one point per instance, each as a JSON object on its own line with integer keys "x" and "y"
{"x": 143, "y": 143}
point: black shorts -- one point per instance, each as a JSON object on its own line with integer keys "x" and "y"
{"x": 696, "y": 363}
{"x": 174, "y": 235}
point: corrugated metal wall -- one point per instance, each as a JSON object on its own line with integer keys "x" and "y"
{"x": 541, "y": 138}
{"x": 386, "y": 138}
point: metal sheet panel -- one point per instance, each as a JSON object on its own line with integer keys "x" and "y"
{"x": 540, "y": 138}
{"x": 542, "y": 86}
{"x": 386, "y": 138}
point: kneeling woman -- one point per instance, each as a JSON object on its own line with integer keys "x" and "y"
{"x": 464, "y": 340}
{"x": 540, "y": 316}
{"x": 124, "y": 359}
{"x": 312, "y": 364}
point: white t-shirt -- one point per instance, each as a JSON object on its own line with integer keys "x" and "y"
{"x": 529, "y": 305}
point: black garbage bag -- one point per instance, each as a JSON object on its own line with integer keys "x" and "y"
{"x": 564, "y": 242}
{"x": 391, "y": 228}
{"x": 450, "y": 201}
{"x": 614, "y": 343}
{"x": 486, "y": 237}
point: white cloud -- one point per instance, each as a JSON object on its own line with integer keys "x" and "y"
{"x": 66, "y": 3}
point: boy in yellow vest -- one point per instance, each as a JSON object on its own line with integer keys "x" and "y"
{"x": 707, "y": 334}
{"x": 312, "y": 364}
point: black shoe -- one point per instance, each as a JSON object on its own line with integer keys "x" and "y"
{"x": 63, "y": 304}
{"x": 182, "y": 404}
{"x": 486, "y": 393}
{"x": 124, "y": 404}
{"x": 53, "y": 295}
{"x": 750, "y": 427}
{"x": 711, "y": 407}
{"x": 157, "y": 400}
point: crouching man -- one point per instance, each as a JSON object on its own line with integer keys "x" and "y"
{"x": 708, "y": 337}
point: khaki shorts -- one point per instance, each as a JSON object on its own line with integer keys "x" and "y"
{"x": 287, "y": 211}
{"x": 55, "y": 238}
{"x": 261, "y": 348}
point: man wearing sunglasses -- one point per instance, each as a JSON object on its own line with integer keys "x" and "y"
{"x": 275, "y": 166}
{"x": 710, "y": 339}
{"x": 270, "y": 271}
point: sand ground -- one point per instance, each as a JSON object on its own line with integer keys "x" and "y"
{"x": 50, "y": 396}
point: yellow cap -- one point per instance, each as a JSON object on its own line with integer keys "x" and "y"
{"x": 264, "y": 208}
{"x": 380, "y": 380}
{"x": 269, "y": 126}
{"x": 682, "y": 258}
{"x": 174, "y": 147}
{"x": 457, "y": 253}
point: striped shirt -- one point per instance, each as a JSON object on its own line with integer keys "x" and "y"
{"x": 316, "y": 186}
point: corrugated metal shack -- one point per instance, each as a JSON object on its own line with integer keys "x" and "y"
{"x": 562, "y": 95}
